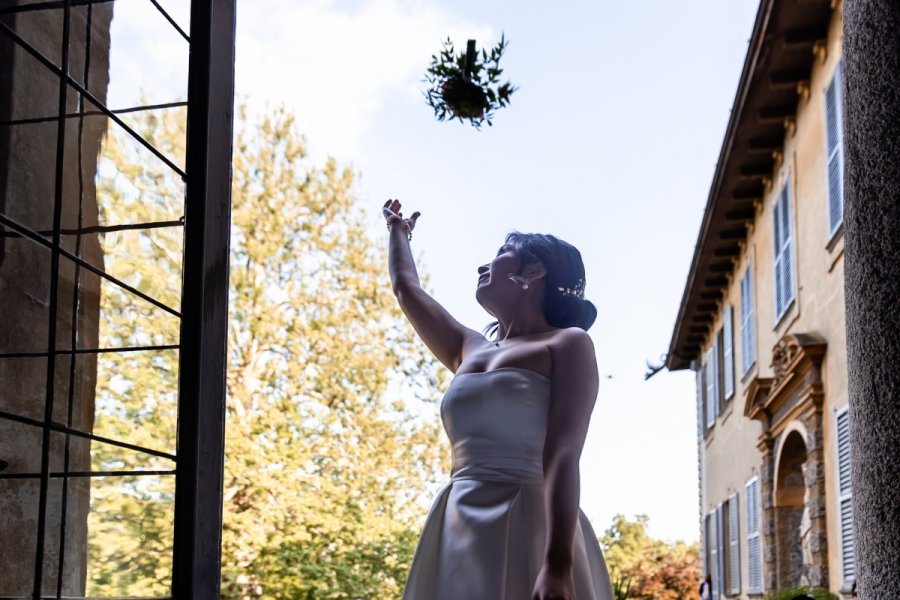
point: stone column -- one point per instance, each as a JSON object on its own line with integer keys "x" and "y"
{"x": 815, "y": 484}
{"x": 28, "y": 150}
{"x": 767, "y": 500}
{"x": 872, "y": 284}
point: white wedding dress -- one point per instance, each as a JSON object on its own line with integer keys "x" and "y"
{"x": 484, "y": 536}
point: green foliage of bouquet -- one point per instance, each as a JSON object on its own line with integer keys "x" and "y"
{"x": 464, "y": 87}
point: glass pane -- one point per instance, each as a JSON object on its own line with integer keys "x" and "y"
{"x": 20, "y": 448}
{"x": 180, "y": 11}
{"x": 137, "y": 399}
{"x": 40, "y": 25}
{"x": 127, "y": 320}
{"x": 133, "y": 185}
{"x": 89, "y": 28}
{"x": 130, "y": 536}
{"x": 148, "y": 59}
{"x": 18, "y": 522}
{"x": 30, "y": 172}
{"x": 24, "y": 382}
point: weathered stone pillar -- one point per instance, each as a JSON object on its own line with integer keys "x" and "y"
{"x": 815, "y": 484}
{"x": 872, "y": 284}
{"x": 29, "y": 103}
{"x": 767, "y": 499}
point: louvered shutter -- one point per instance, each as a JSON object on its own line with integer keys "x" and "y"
{"x": 716, "y": 378}
{"x": 788, "y": 260}
{"x": 845, "y": 495}
{"x": 701, "y": 403}
{"x": 834, "y": 151}
{"x": 779, "y": 301}
{"x": 720, "y": 547}
{"x": 754, "y": 546}
{"x": 710, "y": 381}
{"x": 784, "y": 253}
{"x": 748, "y": 344}
{"x": 706, "y": 559}
{"x": 734, "y": 546}
{"x": 714, "y": 552}
{"x": 728, "y": 352}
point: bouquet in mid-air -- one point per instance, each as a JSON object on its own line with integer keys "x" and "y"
{"x": 467, "y": 86}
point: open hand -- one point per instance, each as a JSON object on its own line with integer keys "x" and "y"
{"x": 553, "y": 585}
{"x": 393, "y": 215}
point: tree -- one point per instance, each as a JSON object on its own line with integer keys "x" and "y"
{"x": 327, "y": 463}
{"x": 641, "y": 567}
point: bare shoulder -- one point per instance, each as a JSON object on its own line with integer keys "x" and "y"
{"x": 572, "y": 340}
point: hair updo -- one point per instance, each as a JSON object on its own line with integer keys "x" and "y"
{"x": 564, "y": 303}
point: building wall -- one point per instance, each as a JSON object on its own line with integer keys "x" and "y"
{"x": 29, "y": 91}
{"x": 729, "y": 453}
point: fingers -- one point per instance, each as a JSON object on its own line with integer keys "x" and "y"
{"x": 391, "y": 210}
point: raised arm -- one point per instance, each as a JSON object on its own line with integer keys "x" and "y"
{"x": 573, "y": 394}
{"x": 445, "y": 336}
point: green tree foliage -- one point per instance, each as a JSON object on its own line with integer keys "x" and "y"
{"x": 642, "y": 568}
{"x": 329, "y": 467}
{"x": 791, "y": 593}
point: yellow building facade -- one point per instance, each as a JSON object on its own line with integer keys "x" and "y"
{"x": 762, "y": 321}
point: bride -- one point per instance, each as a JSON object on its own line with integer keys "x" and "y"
{"x": 508, "y": 525}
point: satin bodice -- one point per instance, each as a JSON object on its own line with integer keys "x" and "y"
{"x": 497, "y": 422}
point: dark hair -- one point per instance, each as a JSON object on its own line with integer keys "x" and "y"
{"x": 564, "y": 304}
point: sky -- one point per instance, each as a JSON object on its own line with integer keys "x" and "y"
{"x": 610, "y": 143}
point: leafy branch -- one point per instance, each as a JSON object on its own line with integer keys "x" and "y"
{"x": 466, "y": 86}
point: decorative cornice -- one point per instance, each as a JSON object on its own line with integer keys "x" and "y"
{"x": 756, "y": 394}
{"x": 794, "y": 348}
{"x": 796, "y": 366}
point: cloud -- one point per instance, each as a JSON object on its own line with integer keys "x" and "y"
{"x": 337, "y": 64}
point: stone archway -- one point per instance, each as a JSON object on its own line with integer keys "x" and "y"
{"x": 791, "y": 512}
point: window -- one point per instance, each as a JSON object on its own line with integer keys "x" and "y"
{"x": 734, "y": 547}
{"x": 834, "y": 152}
{"x": 784, "y": 254}
{"x": 728, "y": 352}
{"x": 845, "y": 494}
{"x": 748, "y": 333}
{"x": 754, "y": 543}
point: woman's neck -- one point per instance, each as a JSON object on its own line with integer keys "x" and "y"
{"x": 522, "y": 325}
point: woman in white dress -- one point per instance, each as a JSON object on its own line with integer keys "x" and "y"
{"x": 508, "y": 526}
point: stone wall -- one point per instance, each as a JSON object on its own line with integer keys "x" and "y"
{"x": 28, "y": 156}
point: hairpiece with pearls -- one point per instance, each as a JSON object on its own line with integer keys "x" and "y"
{"x": 573, "y": 292}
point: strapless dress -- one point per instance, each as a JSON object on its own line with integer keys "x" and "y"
{"x": 485, "y": 533}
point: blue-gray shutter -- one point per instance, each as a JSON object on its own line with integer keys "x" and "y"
{"x": 784, "y": 253}
{"x": 845, "y": 495}
{"x": 701, "y": 409}
{"x": 710, "y": 380}
{"x": 754, "y": 543}
{"x": 748, "y": 342}
{"x": 788, "y": 262}
{"x": 834, "y": 151}
{"x": 728, "y": 352}
{"x": 734, "y": 546}
{"x": 720, "y": 547}
{"x": 714, "y": 551}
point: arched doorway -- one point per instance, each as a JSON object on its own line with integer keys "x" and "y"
{"x": 792, "y": 523}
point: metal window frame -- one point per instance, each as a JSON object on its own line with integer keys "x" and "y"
{"x": 202, "y": 359}
{"x": 201, "y": 403}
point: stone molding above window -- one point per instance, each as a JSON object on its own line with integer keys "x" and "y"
{"x": 797, "y": 378}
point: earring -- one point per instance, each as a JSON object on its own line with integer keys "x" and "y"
{"x": 518, "y": 281}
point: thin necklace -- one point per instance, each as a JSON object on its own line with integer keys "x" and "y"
{"x": 506, "y": 337}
